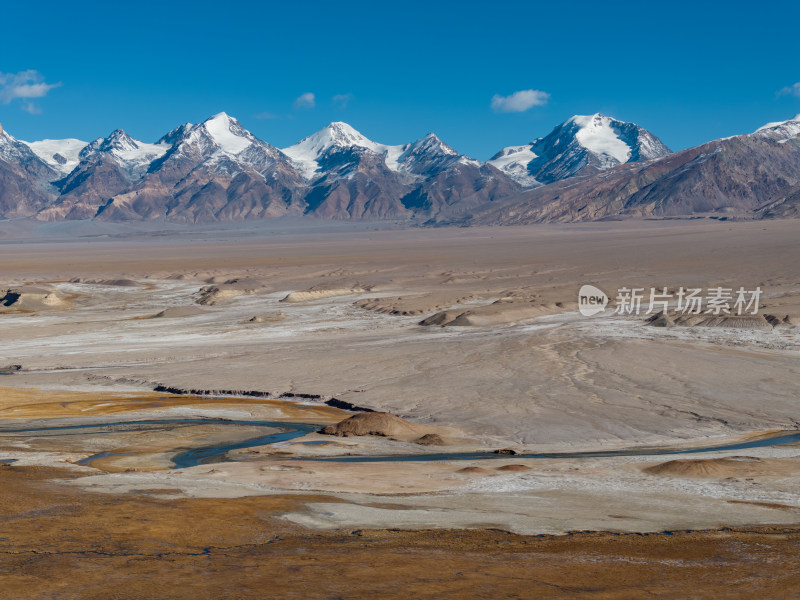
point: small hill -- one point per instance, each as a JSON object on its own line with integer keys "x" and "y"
{"x": 378, "y": 423}
{"x": 731, "y": 466}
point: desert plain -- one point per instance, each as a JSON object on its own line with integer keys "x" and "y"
{"x": 348, "y": 410}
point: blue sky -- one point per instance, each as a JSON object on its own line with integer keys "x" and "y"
{"x": 687, "y": 71}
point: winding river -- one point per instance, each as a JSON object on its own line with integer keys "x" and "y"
{"x": 213, "y": 453}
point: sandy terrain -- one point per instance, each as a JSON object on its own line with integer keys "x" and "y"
{"x": 471, "y": 336}
{"x": 526, "y": 369}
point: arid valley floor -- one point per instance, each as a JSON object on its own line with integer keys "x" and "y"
{"x": 127, "y": 353}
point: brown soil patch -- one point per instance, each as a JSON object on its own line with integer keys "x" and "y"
{"x": 19, "y": 403}
{"x": 60, "y": 542}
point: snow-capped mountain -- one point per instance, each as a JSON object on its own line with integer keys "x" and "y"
{"x": 315, "y": 154}
{"x": 582, "y": 145}
{"x": 210, "y": 171}
{"x": 587, "y": 168}
{"x": 132, "y": 155}
{"x": 781, "y": 130}
{"x": 744, "y": 176}
{"x": 352, "y": 176}
{"x": 218, "y": 138}
{"x": 336, "y": 137}
{"x": 514, "y": 161}
{"x": 24, "y": 179}
{"x": 220, "y": 143}
{"x": 17, "y": 152}
{"x": 426, "y": 156}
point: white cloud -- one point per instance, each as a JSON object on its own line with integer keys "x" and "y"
{"x": 306, "y": 100}
{"x": 342, "y": 100}
{"x": 791, "y": 90}
{"x": 519, "y": 101}
{"x": 24, "y": 86}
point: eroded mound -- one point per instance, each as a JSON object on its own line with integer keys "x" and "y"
{"x": 431, "y": 439}
{"x": 672, "y": 319}
{"x": 474, "y": 471}
{"x": 499, "y": 312}
{"x": 377, "y": 423}
{"x": 730, "y": 466}
{"x": 319, "y": 292}
{"x": 513, "y": 468}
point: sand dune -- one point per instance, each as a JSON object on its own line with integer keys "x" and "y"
{"x": 229, "y": 289}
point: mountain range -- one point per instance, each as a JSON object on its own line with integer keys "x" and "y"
{"x": 588, "y": 168}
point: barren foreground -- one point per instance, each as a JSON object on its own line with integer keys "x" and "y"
{"x": 472, "y": 337}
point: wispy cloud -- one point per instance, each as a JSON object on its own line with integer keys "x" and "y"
{"x": 31, "y": 107}
{"x": 791, "y": 90}
{"x": 342, "y": 100}
{"x": 24, "y": 86}
{"x": 519, "y": 101}
{"x": 306, "y": 100}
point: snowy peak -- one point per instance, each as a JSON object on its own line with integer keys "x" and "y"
{"x": 426, "y": 156}
{"x": 781, "y": 130}
{"x": 614, "y": 142}
{"x": 410, "y": 160}
{"x": 217, "y": 138}
{"x": 583, "y": 143}
{"x": 336, "y": 136}
{"x": 341, "y": 135}
{"x": 227, "y": 133}
{"x": 118, "y": 141}
{"x": 599, "y": 136}
{"x": 221, "y": 145}
{"x": 176, "y": 135}
{"x": 514, "y": 161}
{"x": 132, "y": 155}
{"x": 430, "y": 145}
